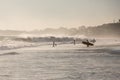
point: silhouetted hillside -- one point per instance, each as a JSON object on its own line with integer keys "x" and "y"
{"x": 10, "y": 32}
{"x": 110, "y": 30}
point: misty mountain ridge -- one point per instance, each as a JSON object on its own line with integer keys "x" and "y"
{"x": 109, "y": 30}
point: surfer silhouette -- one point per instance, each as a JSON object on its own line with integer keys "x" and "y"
{"x": 87, "y": 43}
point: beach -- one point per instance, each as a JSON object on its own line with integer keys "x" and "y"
{"x": 63, "y": 62}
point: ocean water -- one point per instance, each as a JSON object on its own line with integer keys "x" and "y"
{"x": 63, "y": 62}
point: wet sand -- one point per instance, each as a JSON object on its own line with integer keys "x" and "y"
{"x": 64, "y": 62}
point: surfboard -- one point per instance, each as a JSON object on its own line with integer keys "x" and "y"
{"x": 87, "y": 43}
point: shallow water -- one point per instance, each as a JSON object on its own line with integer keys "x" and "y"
{"x": 64, "y": 62}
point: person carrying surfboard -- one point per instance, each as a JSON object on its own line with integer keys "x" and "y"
{"x": 87, "y": 43}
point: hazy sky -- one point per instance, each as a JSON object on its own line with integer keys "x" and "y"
{"x": 40, "y": 14}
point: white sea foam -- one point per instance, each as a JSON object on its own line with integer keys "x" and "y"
{"x": 9, "y": 43}
{"x": 107, "y": 41}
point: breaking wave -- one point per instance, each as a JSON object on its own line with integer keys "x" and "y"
{"x": 15, "y": 42}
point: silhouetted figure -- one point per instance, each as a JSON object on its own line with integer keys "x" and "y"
{"x": 93, "y": 41}
{"x": 87, "y": 43}
{"x": 53, "y": 40}
{"x": 74, "y": 42}
{"x": 53, "y": 43}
